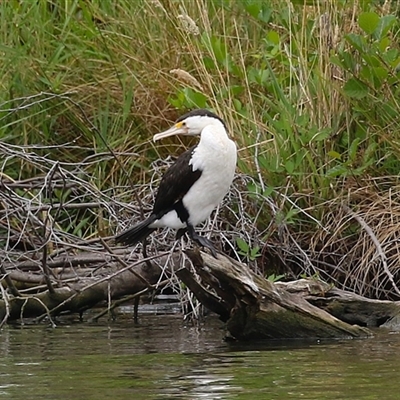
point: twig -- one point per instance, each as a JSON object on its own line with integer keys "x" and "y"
{"x": 4, "y": 295}
{"x": 67, "y": 260}
{"x": 378, "y": 246}
{"x": 10, "y": 284}
{"x": 46, "y": 271}
{"x": 257, "y": 164}
{"x": 25, "y": 105}
{"x": 68, "y": 206}
{"x": 48, "y": 312}
{"x": 124, "y": 264}
{"x": 125, "y": 300}
{"x": 109, "y": 277}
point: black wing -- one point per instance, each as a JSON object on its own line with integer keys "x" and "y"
{"x": 175, "y": 183}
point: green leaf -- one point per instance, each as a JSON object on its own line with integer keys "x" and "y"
{"x": 253, "y": 8}
{"x": 289, "y": 166}
{"x": 268, "y": 191}
{"x": 237, "y": 104}
{"x": 258, "y": 10}
{"x": 289, "y": 216}
{"x": 334, "y": 154}
{"x": 236, "y": 90}
{"x": 274, "y": 278}
{"x": 366, "y": 73}
{"x": 372, "y": 60}
{"x": 273, "y": 37}
{"x": 259, "y": 76}
{"x": 355, "y": 89}
{"x": 392, "y": 57}
{"x": 384, "y": 44}
{"x": 265, "y": 13}
{"x": 368, "y": 22}
{"x": 385, "y": 23}
{"x": 369, "y": 155}
{"x": 195, "y": 98}
{"x": 337, "y": 170}
{"x": 178, "y": 101}
{"x": 357, "y": 41}
{"x": 335, "y": 60}
{"x": 253, "y": 188}
{"x": 349, "y": 61}
{"x": 219, "y": 49}
{"x": 353, "y": 149}
{"x": 243, "y": 246}
{"x": 321, "y": 135}
{"x": 380, "y": 73}
{"x": 255, "y": 252}
{"x": 215, "y": 46}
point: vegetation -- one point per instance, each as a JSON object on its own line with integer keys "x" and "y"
{"x": 309, "y": 90}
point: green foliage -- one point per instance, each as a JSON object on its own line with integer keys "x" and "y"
{"x": 275, "y": 278}
{"x": 250, "y": 253}
{"x": 310, "y": 97}
{"x": 371, "y": 62}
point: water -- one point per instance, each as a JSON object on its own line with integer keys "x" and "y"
{"x": 162, "y": 358}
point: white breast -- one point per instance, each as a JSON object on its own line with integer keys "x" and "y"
{"x": 216, "y": 157}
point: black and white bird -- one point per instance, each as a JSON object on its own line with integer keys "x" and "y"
{"x": 195, "y": 184}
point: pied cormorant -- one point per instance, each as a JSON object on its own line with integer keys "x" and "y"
{"x": 195, "y": 184}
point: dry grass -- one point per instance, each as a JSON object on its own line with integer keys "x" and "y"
{"x": 354, "y": 246}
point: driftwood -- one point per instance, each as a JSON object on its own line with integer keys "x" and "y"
{"x": 255, "y": 308}
{"x": 75, "y": 286}
{"x": 347, "y": 306}
{"x": 251, "y": 306}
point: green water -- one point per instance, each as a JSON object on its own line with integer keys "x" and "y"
{"x": 162, "y": 358}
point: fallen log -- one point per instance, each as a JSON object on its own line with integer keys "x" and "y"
{"x": 347, "y": 306}
{"x": 76, "y": 297}
{"x": 251, "y": 306}
{"x": 254, "y": 308}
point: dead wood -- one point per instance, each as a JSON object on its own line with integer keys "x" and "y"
{"x": 349, "y": 307}
{"x": 78, "y": 289}
{"x": 255, "y": 308}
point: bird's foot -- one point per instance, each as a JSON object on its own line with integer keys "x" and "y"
{"x": 180, "y": 233}
{"x": 204, "y": 242}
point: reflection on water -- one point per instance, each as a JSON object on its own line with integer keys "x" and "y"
{"x": 162, "y": 358}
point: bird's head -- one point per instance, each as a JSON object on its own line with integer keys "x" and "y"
{"x": 191, "y": 124}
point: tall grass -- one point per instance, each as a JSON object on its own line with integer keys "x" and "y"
{"x": 309, "y": 90}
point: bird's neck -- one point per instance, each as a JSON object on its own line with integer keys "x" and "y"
{"x": 214, "y": 134}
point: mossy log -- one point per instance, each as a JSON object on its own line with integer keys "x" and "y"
{"x": 255, "y": 308}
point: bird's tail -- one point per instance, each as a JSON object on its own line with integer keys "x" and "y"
{"x": 137, "y": 233}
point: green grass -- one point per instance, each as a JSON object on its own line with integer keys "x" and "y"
{"x": 309, "y": 92}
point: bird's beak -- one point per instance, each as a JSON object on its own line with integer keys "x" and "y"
{"x": 178, "y": 129}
